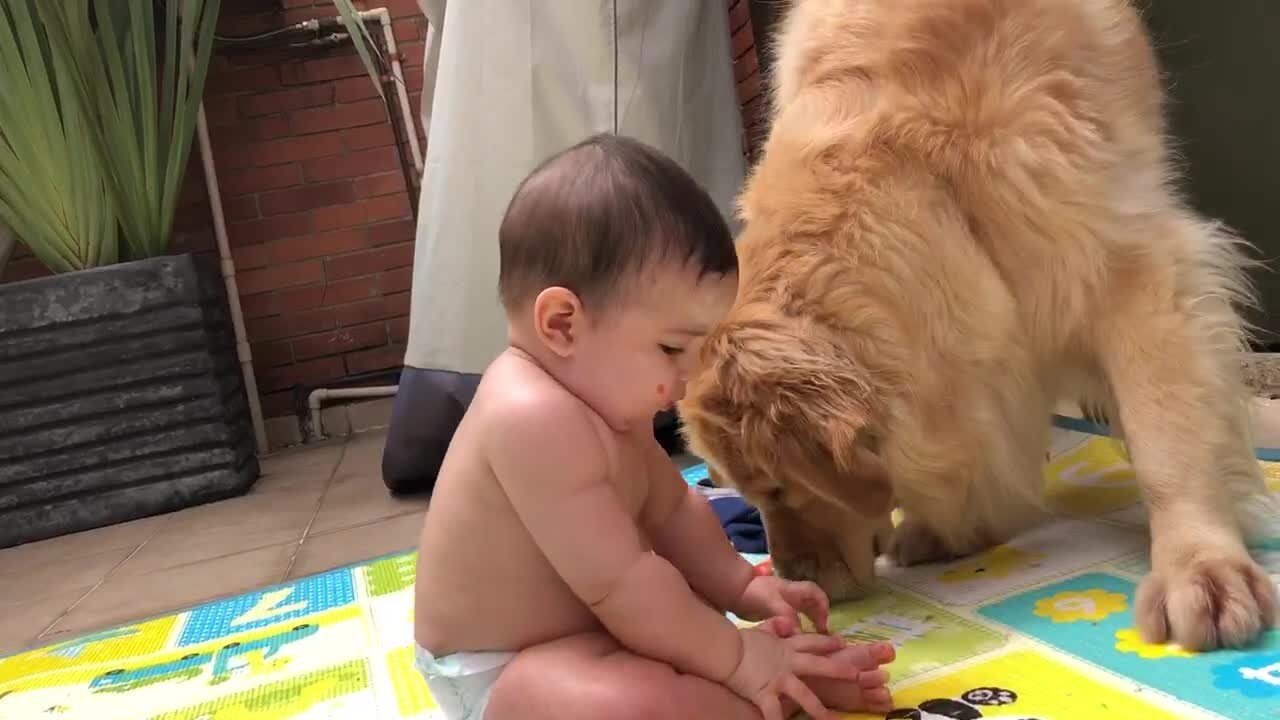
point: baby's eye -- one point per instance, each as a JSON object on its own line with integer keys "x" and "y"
{"x": 669, "y": 350}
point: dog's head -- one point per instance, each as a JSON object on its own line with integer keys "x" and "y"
{"x": 780, "y": 411}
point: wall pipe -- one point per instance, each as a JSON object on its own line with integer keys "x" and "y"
{"x": 228, "y": 265}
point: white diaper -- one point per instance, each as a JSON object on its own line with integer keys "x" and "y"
{"x": 461, "y": 682}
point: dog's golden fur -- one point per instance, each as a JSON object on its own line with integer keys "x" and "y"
{"x": 964, "y": 212}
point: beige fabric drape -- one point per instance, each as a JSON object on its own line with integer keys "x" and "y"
{"x": 510, "y": 82}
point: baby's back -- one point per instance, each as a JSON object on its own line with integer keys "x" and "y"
{"x": 483, "y": 584}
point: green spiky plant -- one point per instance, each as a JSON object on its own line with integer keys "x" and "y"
{"x": 98, "y": 110}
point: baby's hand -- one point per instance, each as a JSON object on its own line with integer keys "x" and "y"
{"x": 771, "y": 667}
{"x": 768, "y": 596}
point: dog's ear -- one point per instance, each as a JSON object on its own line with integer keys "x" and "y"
{"x": 800, "y": 398}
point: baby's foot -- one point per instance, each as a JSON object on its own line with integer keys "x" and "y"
{"x": 870, "y": 692}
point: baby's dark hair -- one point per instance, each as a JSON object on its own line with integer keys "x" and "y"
{"x": 590, "y": 217}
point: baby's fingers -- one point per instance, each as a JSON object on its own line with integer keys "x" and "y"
{"x": 809, "y": 598}
{"x": 770, "y": 706}
{"x": 815, "y": 643}
{"x": 793, "y": 688}
{"x": 807, "y": 665}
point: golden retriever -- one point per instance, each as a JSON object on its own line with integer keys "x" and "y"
{"x": 965, "y": 210}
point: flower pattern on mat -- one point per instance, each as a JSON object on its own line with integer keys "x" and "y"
{"x": 1130, "y": 641}
{"x": 1073, "y": 606}
{"x": 1254, "y": 676}
{"x": 998, "y": 562}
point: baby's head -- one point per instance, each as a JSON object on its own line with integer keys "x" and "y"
{"x": 615, "y": 264}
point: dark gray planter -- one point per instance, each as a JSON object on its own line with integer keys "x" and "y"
{"x": 120, "y": 397}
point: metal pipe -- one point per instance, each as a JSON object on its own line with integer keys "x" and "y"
{"x": 229, "y": 278}
{"x": 383, "y": 16}
{"x": 319, "y": 395}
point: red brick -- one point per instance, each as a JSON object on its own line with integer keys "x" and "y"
{"x": 745, "y": 65}
{"x": 311, "y": 372}
{"x": 365, "y": 361}
{"x": 388, "y": 306}
{"x": 241, "y": 208}
{"x": 739, "y": 15}
{"x": 249, "y": 257}
{"x": 392, "y": 232}
{"x": 411, "y": 54}
{"x": 394, "y": 281}
{"x": 413, "y": 82}
{"x": 306, "y": 197}
{"x": 280, "y": 276}
{"x": 322, "y": 69}
{"x": 338, "y": 216}
{"x": 257, "y": 306}
{"x": 242, "y": 80}
{"x": 387, "y": 207}
{"x": 280, "y": 101}
{"x": 27, "y": 268}
{"x": 299, "y": 299}
{"x": 367, "y": 137}
{"x": 299, "y": 14}
{"x": 352, "y": 89}
{"x": 407, "y": 30}
{"x": 220, "y": 113}
{"x": 337, "y": 117}
{"x": 272, "y": 354}
{"x": 340, "y": 341}
{"x": 341, "y": 292}
{"x": 293, "y": 149}
{"x": 296, "y": 3}
{"x": 321, "y": 245}
{"x": 369, "y": 262}
{"x": 749, "y": 88}
{"x": 352, "y": 165}
{"x": 383, "y": 184}
{"x": 742, "y": 41}
{"x": 279, "y": 404}
{"x": 279, "y": 327}
{"x": 268, "y": 229}
{"x": 264, "y": 128}
{"x": 402, "y": 8}
{"x": 252, "y": 180}
{"x": 398, "y": 329}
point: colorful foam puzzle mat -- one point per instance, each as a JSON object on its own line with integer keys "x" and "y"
{"x": 1040, "y": 628}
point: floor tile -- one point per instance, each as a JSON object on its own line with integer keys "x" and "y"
{"x": 224, "y": 528}
{"x": 58, "y": 575}
{"x": 123, "y": 598}
{"x": 90, "y": 542}
{"x": 342, "y": 547}
{"x": 357, "y": 497}
{"x": 22, "y": 623}
{"x": 306, "y": 468}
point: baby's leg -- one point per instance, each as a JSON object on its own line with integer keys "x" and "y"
{"x": 592, "y": 677}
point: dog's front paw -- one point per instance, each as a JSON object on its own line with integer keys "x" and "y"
{"x": 914, "y": 544}
{"x": 1219, "y": 598}
{"x": 828, "y": 570}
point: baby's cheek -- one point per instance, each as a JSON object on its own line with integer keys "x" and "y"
{"x": 662, "y": 390}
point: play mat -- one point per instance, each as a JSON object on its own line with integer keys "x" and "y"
{"x": 1038, "y": 629}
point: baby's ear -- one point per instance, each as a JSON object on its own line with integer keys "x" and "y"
{"x": 558, "y": 319}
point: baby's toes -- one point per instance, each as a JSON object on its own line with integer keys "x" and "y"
{"x": 870, "y": 679}
{"x": 867, "y": 656}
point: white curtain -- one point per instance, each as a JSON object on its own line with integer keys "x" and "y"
{"x": 510, "y": 82}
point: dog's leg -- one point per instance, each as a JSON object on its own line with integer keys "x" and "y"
{"x": 1168, "y": 342}
{"x": 971, "y": 499}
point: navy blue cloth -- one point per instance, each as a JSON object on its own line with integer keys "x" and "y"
{"x": 742, "y": 523}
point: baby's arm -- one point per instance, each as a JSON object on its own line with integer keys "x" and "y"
{"x": 685, "y": 530}
{"x": 552, "y": 465}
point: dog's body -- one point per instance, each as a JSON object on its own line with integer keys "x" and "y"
{"x": 964, "y": 212}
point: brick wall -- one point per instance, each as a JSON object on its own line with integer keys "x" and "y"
{"x": 318, "y": 215}
{"x": 746, "y": 71}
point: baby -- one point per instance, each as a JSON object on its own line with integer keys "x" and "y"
{"x": 566, "y": 569}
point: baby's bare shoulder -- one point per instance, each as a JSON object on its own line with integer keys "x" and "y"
{"x": 531, "y": 421}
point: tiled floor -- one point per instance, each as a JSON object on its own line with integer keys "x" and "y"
{"x": 313, "y": 509}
